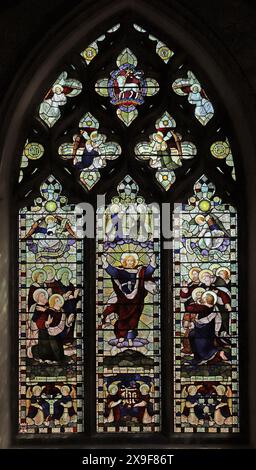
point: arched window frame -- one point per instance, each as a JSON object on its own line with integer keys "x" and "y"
{"x": 182, "y": 194}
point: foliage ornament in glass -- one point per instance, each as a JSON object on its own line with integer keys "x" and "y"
{"x": 89, "y": 150}
{"x": 63, "y": 87}
{"x": 165, "y": 150}
{"x": 127, "y": 87}
{"x": 192, "y": 88}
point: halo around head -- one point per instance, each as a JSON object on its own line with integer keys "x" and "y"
{"x": 61, "y": 271}
{"x": 226, "y": 270}
{"x": 198, "y": 290}
{"x": 36, "y": 273}
{"x": 113, "y": 389}
{"x": 220, "y": 389}
{"x": 65, "y": 390}
{"x": 144, "y": 389}
{"x": 36, "y": 390}
{"x": 195, "y": 268}
{"x": 214, "y": 267}
{"x": 53, "y": 298}
{"x": 57, "y": 87}
{"x": 50, "y": 218}
{"x": 200, "y": 219}
{"x": 210, "y": 292}
{"x": 192, "y": 390}
{"x": 203, "y": 272}
{"x": 130, "y": 255}
{"x": 49, "y": 268}
{"x": 37, "y": 292}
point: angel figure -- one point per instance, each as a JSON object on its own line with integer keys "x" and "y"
{"x": 223, "y": 409}
{"x": 37, "y": 408}
{"x": 49, "y": 110}
{"x": 142, "y": 409}
{"x": 196, "y": 95}
{"x": 122, "y": 223}
{"x": 113, "y": 403}
{"x": 191, "y": 410}
{"x": 47, "y": 238}
{"x": 208, "y": 234}
{"x": 88, "y": 150}
{"x": 64, "y": 409}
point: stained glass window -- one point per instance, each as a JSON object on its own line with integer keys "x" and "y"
{"x": 197, "y": 96}
{"x": 222, "y": 151}
{"x": 128, "y": 313}
{"x": 129, "y": 119}
{"x": 89, "y": 150}
{"x": 32, "y": 151}
{"x": 127, "y": 87}
{"x": 165, "y": 150}
{"x": 56, "y": 97}
{"x": 205, "y": 317}
{"x": 162, "y": 49}
{"x": 92, "y": 50}
{"x": 51, "y": 383}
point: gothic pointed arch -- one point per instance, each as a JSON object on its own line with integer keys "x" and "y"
{"x": 137, "y": 115}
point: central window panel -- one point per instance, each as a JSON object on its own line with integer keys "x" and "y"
{"x": 128, "y": 314}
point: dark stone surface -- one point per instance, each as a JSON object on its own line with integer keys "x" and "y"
{"x": 24, "y": 23}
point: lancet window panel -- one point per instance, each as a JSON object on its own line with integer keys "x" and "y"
{"x": 131, "y": 117}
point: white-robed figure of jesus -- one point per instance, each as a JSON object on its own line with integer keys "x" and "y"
{"x": 131, "y": 284}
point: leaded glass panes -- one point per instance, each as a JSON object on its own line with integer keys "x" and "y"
{"x": 196, "y": 95}
{"x": 92, "y": 50}
{"x": 112, "y": 124}
{"x": 165, "y": 150}
{"x": 89, "y": 151}
{"x": 32, "y": 151}
{"x": 56, "y": 97}
{"x": 128, "y": 314}
{"x": 222, "y": 151}
{"x": 162, "y": 49}
{"x": 205, "y": 313}
{"x": 127, "y": 87}
{"x": 51, "y": 383}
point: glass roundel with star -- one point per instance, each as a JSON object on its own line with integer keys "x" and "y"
{"x": 129, "y": 118}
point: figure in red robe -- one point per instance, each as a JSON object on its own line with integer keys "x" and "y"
{"x": 131, "y": 284}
